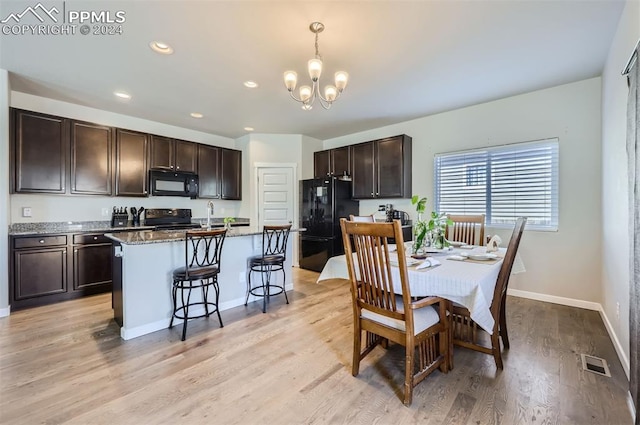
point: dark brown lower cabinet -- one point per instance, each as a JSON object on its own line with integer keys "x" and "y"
{"x": 53, "y": 268}
{"x": 91, "y": 263}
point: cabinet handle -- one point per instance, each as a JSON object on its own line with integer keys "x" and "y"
{"x": 41, "y": 241}
{"x": 377, "y": 193}
{"x": 371, "y": 193}
{"x": 171, "y": 166}
{"x": 95, "y": 238}
{"x": 177, "y": 167}
{"x": 64, "y": 252}
{"x": 75, "y": 251}
{"x": 145, "y": 192}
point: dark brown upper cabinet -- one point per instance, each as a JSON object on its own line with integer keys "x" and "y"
{"x": 332, "y": 162}
{"x": 321, "y": 164}
{"x": 172, "y": 154}
{"x": 382, "y": 168}
{"x": 208, "y": 171}
{"x": 341, "y": 161}
{"x": 39, "y": 151}
{"x": 132, "y": 169}
{"x": 91, "y": 153}
{"x": 231, "y": 173}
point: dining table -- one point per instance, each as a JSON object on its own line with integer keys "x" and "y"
{"x": 453, "y": 276}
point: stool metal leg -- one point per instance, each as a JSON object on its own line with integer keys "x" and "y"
{"x": 205, "y": 291}
{"x": 174, "y": 294}
{"x": 217, "y": 291}
{"x": 264, "y": 294}
{"x": 249, "y": 270}
{"x": 186, "y": 312}
{"x": 284, "y": 279}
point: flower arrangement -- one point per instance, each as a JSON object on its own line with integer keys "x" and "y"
{"x": 437, "y": 229}
{"x": 227, "y": 222}
{"x": 420, "y": 227}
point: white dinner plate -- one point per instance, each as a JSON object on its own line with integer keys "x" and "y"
{"x": 410, "y": 262}
{"x": 392, "y": 247}
{"x": 467, "y": 246}
{"x": 456, "y": 243}
{"x": 482, "y": 257}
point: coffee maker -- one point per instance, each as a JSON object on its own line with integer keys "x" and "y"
{"x": 393, "y": 214}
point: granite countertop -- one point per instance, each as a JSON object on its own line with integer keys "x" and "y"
{"x": 143, "y": 237}
{"x": 26, "y": 229}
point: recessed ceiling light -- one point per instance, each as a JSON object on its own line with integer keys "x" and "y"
{"x": 250, "y": 84}
{"x": 160, "y": 47}
{"x": 248, "y": 128}
{"x": 122, "y": 95}
{"x": 196, "y": 115}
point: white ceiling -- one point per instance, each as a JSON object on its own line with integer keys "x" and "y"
{"x": 405, "y": 59}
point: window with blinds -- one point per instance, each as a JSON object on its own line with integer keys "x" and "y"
{"x": 502, "y": 182}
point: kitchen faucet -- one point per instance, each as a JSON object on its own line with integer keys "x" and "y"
{"x": 209, "y": 214}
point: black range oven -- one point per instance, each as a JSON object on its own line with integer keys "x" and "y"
{"x": 169, "y": 218}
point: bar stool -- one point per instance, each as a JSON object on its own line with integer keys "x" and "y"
{"x": 273, "y": 257}
{"x": 202, "y": 265}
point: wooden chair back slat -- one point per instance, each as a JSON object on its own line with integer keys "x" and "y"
{"x": 466, "y": 228}
{"x": 507, "y": 265}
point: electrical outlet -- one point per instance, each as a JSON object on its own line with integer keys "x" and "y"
{"x": 618, "y": 311}
{"x": 222, "y": 210}
{"x": 105, "y": 212}
{"x": 26, "y": 211}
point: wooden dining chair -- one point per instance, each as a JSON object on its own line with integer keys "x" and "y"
{"x": 466, "y": 228}
{"x": 362, "y": 218}
{"x": 464, "y": 329}
{"x": 420, "y": 326}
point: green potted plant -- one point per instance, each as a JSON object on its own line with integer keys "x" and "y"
{"x": 420, "y": 226}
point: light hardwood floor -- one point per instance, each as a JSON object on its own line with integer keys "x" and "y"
{"x": 66, "y": 363}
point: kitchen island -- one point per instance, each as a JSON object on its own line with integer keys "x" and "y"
{"x": 143, "y": 263}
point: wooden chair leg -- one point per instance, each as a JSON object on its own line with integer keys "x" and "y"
{"x": 408, "y": 375}
{"x": 503, "y": 323}
{"x": 495, "y": 347}
{"x": 357, "y": 341}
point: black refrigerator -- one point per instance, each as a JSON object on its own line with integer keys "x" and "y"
{"x": 323, "y": 203}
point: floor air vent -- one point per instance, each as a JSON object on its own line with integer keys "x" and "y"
{"x": 595, "y": 364}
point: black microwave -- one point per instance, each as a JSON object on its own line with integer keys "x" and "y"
{"x": 173, "y": 183}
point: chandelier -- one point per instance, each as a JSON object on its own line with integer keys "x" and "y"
{"x": 308, "y": 94}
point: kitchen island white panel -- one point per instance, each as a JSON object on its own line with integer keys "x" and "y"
{"x": 146, "y": 260}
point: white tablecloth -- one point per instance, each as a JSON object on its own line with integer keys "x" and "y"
{"x": 470, "y": 284}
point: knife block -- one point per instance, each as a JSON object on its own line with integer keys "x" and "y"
{"x": 119, "y": 220}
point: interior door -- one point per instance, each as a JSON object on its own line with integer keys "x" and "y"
{"x": 275, "y": 195}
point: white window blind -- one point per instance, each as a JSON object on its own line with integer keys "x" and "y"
{"x": 503, "y": 183}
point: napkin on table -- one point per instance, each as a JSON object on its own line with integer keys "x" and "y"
{"x": 428, "y": 262}
{"x": 494, "y": 243}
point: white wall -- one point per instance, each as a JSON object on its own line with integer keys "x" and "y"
{"x": 615, "y": 188}
{"x": 4, "y": 193}
{"x": 83, "y": 208}
{"x": 565, "y": 263}
{"x": 309, "y": 146}
{"x": 266, "y": 148}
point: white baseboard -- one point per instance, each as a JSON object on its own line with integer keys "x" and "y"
{"x": 130, "y": 333}
{"x": 616, "y": 343}
{"x": 4, "y": 312}
{"x": 589, "y": 305}
{"x": 571, "y": 302}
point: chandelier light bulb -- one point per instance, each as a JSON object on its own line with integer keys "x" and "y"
{"x": 330, "y": 93}
{"x": 305, "y": 93}
{"x": 290, "y": 80}
{"x": 308, "y": 94}
{"x": 315, "y": 69}
{"x": 342, "y": 78}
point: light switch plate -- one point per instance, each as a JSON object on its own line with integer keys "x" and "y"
{"x": 26, "y": 211}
